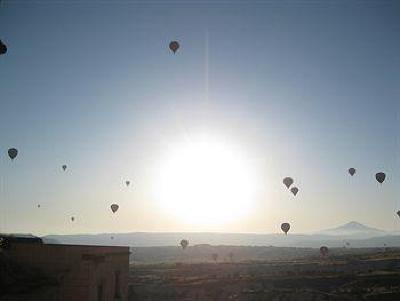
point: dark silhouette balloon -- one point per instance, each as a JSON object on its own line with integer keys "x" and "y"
{"x": 294, "y": 190}
{"x": 352, "y": 171}
{"x": 3, "y": 48}
{"x": 127, "y": 183}
{"x": 114, "y": 208}
{"x": 285, "y": 227}
{"x": 38, "y": 205}
{"x": 174, "y": 46}
{"x": 72, "y": 218}
{"x": 398, "y": 213}
{"x": 184, "y": 243}
{"x": 324, "y": 251}
{"x": 64, "y": 167}
{"x": 380, "y": 177}
{"x": 215, "y": 257}
{"x": 288, "y": 181}
{"x": 12, "y": 153}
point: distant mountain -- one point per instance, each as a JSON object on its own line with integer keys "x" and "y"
{"x": 356, "y": 234}
{"x": 354, "y": 230}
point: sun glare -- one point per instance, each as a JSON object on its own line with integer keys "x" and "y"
{"x": 205, "y": 182}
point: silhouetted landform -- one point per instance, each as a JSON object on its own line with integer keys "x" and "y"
{"x": 356, "y": 277}
{"x": 19, "y": 237}
{"x": 354, "y": 230}
{"x": 355, "y": 234}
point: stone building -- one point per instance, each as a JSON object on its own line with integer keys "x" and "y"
{"x": 79, "y": 272}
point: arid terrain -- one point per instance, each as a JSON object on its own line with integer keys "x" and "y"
{"x": 359, "y": 275}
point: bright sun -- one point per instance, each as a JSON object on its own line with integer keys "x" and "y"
{"x": 205, "y": 182}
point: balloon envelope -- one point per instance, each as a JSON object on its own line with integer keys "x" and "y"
{"x": 324, "y": 250}
{"x": 174, "y": 46}
{"x": 288, "y": 181}
{"x": 114, "y": 208}
{"x": 3, "y": 48}
{"x": 184, "y": 243}
{"x": 285, "y": 227}
{"x": 127, "y": 183}
{"x": 12, "y": 153}
{"x": 398, "y": 213}
{"x": 352, "y": 171}
{"x": 380, "y": 177}
{"x": 64, "y": 167}
{"x": 72, "y": 218}
{"x": 294, "y": 190}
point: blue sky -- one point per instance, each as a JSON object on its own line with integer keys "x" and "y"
{"x": 306, "y": 89}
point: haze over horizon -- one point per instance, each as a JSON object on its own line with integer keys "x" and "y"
{"x": 349, "y": 225}
{"x": 256, "y": 92}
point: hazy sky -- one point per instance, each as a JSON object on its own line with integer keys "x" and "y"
{"x": 300, "y": 88}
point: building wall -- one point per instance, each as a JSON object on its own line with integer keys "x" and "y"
{"x": 84, "y": 272}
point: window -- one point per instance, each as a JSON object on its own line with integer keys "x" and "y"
{"x": 117, "y": 285}
{"x": 100, "y": 292}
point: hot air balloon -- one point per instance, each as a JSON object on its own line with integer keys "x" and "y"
{"x": 174, "y": 46}
{"x": 398, "y": 213}
{"x": 285, "y": 227}
{"x": 64, "y": 167}
{"x": 3, "y": 48}
{"x": 380, "y": 177}
{"x": 287, "y": 181}
{"x": 127, "y": 183}
{"x": 184, "y": 243}
{"x": 112, "y": 237}
{"x": 72, "y": 218}
{"x": 38, "y": 205}
{"x": 114, "y": 208}
{"x": 324, "y": 251}
{"x": 294, "y": 190}
{"x": 12, "y": 153}
{"x": 352, "y": 171}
